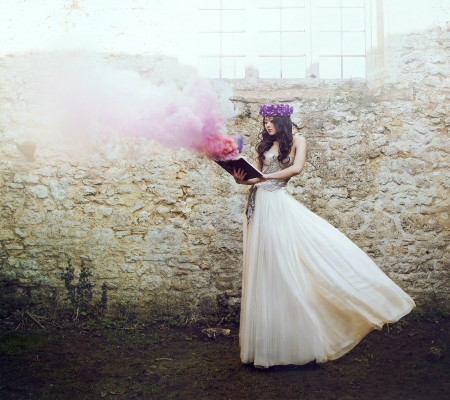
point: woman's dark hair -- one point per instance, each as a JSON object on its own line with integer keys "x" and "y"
{"x": 283, "y": 126}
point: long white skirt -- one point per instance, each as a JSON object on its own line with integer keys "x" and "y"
{"x": 308, "y": 292}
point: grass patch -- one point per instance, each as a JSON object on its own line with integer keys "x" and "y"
{"x": 15, "y": 342}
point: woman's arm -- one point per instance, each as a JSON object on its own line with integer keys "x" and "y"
{"x": 299, "y": 162}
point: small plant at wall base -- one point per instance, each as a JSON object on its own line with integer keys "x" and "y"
{"x": 80, "y": 293}
{"x": 228, "y": 312}
{"x": 13, "y": 297}
{"x": 104, "y": 299}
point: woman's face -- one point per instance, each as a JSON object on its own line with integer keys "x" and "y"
{"x": 270, "y": 127}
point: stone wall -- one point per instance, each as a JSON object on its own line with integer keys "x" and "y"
{"x": 164, "y": 228}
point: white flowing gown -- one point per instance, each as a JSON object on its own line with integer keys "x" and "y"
{"x": 308, "y": 292}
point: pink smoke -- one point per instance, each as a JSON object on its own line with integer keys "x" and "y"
{"x": 88, "y": 102}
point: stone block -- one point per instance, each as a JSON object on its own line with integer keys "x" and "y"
{"x": 59, "y": 191}
{"x": 106, "y": 268}
{"x": 46, "y": 171}
{"x": 123, "y": 190}
{"x": 146, "y": 268}
{"x": 24, "y": 178}
{"x": 432, "y": 81}
{"x": 49, "y": 205}
{"x": 162, "y": 210}
{"x": 117, "y": 175}
{"x": 189, "y": 267}
{"x": 168, "y": 235}
{"x": 29, "y": 217}
{"x": 137, "y": 206}
{"x": 6, "y": 234}
{"x": 224, "y": 286}
{"x": 103, "y": 233}
{"x": 63, "y": 171}
{"x": 40, "y": 191}
{"x": 80, "y": 175}
{"x": 92, "y": 182}
{"x": 20, "y": 233}
{"x": 133, "y": 257}
{"x": 120, "y": 218}
{"x": 414, "y": 166}
{"x": 127, "y": 268}
{"x": 14, "y": 246}
{"x": 389, "y": 150}
{"x": 14, "y": 185}
{"x": 89, "y": 191}
{"x": 122, "y": 233}
{"x": 105, "y": 211}
{"x": 151, "y": 282}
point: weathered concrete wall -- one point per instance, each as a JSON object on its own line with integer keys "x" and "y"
{"x": 165, "y": 227}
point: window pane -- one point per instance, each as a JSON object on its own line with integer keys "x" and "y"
{"x": 293, "y": 3}
{"x": 233, "y": 20}
{"x": 293, "y": 44}
{"x": 353, "y": 19}
{"x": 293, "y": 67}
{"x": 233, "y": 44}
{"x": 353, "y": 3}
{"x": 330, "y": 43}
{"x": 330, "y": 19}
{"x": 329, "y": 3}
{"x": 354, "y": 67}
{"x": 269, "y": 20}
{"x": 268, "y": 3}
{"x": 269, "y": 44}
{"x": 209, "y": 44}
{"x": 293, "y": 19}
{"x": 353, "y": 43}
{"x": 330, "y": 67}
{"x": 233, "y": 4}
{"x": 209, "y": 67}
{"x": 233, "y": 67}
{"x": 208, "y": 3}
{"x": 208, "y": 21}
{"x": 269, "y": 67}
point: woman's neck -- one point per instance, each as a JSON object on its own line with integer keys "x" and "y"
{"x": 275, "y": 147}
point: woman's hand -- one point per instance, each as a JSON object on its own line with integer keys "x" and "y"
{"x": 262, "y": 179}
{"x": 239, "y": 175}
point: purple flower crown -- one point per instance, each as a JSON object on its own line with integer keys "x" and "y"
{"x": 276, "y": 110}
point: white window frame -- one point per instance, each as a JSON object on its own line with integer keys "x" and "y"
{"x": 281, "y": 56}
{"x": 220, "y": 31}
{"x": 312, "y": 34}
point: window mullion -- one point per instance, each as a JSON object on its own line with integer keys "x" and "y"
{"x": 313, "y": 16}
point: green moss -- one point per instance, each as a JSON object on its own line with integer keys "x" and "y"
{"x": 15, "y": 342}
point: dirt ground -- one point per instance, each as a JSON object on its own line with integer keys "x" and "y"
{"x": 162, "y": 362}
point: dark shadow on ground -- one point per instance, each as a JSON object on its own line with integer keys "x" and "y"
{"x": 162, "y": 362}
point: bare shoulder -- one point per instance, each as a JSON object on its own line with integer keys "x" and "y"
{"x": 299, "y": 141}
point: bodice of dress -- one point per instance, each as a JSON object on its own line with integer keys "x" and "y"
{"x": 271, "y": 165}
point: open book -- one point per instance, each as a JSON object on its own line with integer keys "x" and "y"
{"x": 242, "y": 163}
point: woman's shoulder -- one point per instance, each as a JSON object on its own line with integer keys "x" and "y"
{"x": 299, "y": 140}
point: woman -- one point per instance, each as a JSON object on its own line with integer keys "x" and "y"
{"x": 308, "y": 292}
